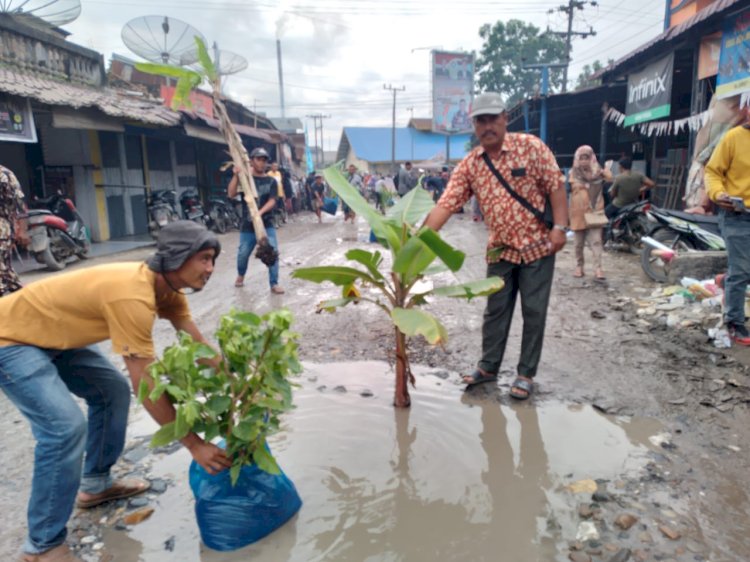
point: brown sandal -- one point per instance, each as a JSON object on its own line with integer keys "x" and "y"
{"x": 119, "y": 490}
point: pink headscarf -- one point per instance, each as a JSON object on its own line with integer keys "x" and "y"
{"x": 586, "y": 171}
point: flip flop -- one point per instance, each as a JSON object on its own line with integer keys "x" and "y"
{"x": 477, "y": 377}
{"x": 119, "y": 490}
{"x": 521, "y": 384}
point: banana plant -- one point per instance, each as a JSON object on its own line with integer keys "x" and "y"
{"x": 413, "y": 250}
{"x": 187, "y": 80}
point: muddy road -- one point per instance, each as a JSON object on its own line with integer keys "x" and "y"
{"x": 653, "y": 417}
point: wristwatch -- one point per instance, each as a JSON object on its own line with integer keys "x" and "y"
{"x": 560, "y": 227}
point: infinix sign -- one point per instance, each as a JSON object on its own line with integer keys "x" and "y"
{"x": 650, "y": 92}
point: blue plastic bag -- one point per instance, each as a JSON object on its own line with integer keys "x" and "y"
{"x": 231, "y": 517}
{"x": 330, "y": 204}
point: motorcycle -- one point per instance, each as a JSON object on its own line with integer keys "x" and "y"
{"x": 221, "y": 215}
{"x": 628, "y": 226}
{"x": 161, "y": 210}
{"x": 57, "y": 232}
{"x": 192, "y": 208}
{"x": 677, "y": 231}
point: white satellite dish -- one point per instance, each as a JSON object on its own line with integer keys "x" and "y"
{"x": 162, "y": 39}
{"x": 53, "y": 12}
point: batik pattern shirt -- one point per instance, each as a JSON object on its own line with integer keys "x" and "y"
{"x": 530, "y": 168}
{"x": 11, "y": 204}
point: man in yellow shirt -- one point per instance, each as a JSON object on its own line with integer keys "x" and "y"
{"x": 47, "y": 352}
{"x": 728, "y": 185}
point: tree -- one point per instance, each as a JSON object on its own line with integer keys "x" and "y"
{"x": 507, "y": 48}
{"x": 413, "y": 250}
{"x": 584, "y": 78}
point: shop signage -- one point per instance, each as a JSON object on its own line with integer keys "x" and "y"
{"x": 16, "y": 120}
{"x": 650, "y": 92}
{"x": 734, "y": 61}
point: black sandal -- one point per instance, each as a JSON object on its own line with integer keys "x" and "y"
{"x": 521, "y": 384}
{"x": 478, "y": 377}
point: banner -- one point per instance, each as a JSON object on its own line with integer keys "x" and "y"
{"x": 708, "y": 56}
{"x": 452, "y": 91}
{"x": 16, "y": 120}
{"x": 650, "y": 92}
{"x": 734, "y": 61}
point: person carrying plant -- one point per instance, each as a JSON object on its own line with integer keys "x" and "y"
{"x": 267, "y": 189}
{"x": 513, "y": 176}
{"x": 48, "y": 354}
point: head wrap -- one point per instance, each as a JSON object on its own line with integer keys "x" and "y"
{"x": 178, "y": 242}
{"x": 586, "y": 171}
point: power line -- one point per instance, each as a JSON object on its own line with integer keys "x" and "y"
{"x": 393, "y": 123}
{"x": 570, "y": 9}
{"x": 318, "y": 153}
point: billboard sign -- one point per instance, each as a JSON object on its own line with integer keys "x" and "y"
{"x": 734, "y": 60}
{"x": 16, "y": 120}
{"x": 452, "y": 91}
{"x": 650, "y": 92}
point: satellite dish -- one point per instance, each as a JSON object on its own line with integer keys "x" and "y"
{"x": 53, "y": 12}
{"x": 227, "y": 62}
{"x": 162, "y": 39}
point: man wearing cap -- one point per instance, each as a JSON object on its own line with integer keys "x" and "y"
{"x": 47, "y": 352}
{"x": 268, "y": 191}
{"x": 521, "y": 248}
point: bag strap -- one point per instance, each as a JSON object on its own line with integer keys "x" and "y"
{"x": 524, "y": 203}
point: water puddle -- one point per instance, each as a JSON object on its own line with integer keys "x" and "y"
{"x": 450, "y": 479}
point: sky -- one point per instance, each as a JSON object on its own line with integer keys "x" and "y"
{"x": 337, "y": 55}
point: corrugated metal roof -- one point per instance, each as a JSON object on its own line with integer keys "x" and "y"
{"x": 716, "y": 10}
{"x": 112, "y": 102}
{"x": 373, "y": 144}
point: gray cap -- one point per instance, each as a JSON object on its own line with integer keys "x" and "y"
{"x": 178, "y": 242}
{"x": 489, "y": 103}
{"x": 259, "y": 153}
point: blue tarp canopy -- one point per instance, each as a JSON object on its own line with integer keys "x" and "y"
{"x": 373, "y": 144}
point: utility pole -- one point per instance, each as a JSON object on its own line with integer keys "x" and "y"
{"x": 411, "y": 116}
{"x": 570, "y": 9}
{"x": 318, "y": 117}
{"x": 393, "y": 124}
{"x": 544, "y": 92}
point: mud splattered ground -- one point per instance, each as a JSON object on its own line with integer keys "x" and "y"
{"x": 653, "y": 381}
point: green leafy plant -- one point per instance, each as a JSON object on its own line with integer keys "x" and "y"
{"x": 241, "y": 400}
{"x": 413, "y": 251}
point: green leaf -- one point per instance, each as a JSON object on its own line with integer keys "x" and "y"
{"x": 471, "y": 289}
{"x": 181, "y": 97}
{"x": 451, "y": 257}
{"x": 205, "y": 60}
{"x": 265, "y": 461}
{"x": 333, "y": 304}
{"x": 412, "y": 207}
{"x": 337, "y": 275}
{"x": 414, "y": 322}
{"x": 234, "y": 473}
{"x": 413, "y": 259}
{"x": 164, "y": 436}
{"x": 245, "y": 430}
{"x": 371, "y": 260}
{"x": 218, "y": 404}
{"x": 143, "y": 390}
{"x": 166, "y": 70}
{"x": 181, "y": 426}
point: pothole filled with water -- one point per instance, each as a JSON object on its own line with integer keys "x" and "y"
{"x": 451, "y": 478}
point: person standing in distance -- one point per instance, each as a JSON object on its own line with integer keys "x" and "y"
{"x": 521, "y": 248}
{"x": 268, "y": 193}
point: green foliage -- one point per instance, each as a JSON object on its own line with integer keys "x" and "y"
{"x": 208, "y": 65}
{"x": 507, "y": 48}
{"x": 584, "y": 78}
{"x": 414, "y": 251}
{"x": 241, "y": 400}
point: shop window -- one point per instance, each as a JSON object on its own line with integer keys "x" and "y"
{"x": 133, "y": 154}
{"x": 110, "y": 149}
{"x": 158, "y": 155}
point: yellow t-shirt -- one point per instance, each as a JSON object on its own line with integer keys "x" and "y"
{"x": 87, "y": 306}
{"x": 279, "y": 186}
{"x": 728, "y": 170}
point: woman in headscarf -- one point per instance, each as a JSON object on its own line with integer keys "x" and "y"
{"x": 586, "y": 194}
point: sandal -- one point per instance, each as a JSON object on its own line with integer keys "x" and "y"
{"x": 478, "y": 377}
{"x": 240, "y": 282}
{"x": 599, "y": 275}
{"x": 521, "y": 388}
{"x": 119, "y": 490}
{"x": 578, "y": 272}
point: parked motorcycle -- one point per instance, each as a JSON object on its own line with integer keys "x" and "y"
{"x": 628, "y": 226}
{"x": 161, "y": 210}
{"x": 677, "y": 231}
{"x": 221, "y": 215}
{"x": 57, "y": 232}
{"x": 192, "y": 208}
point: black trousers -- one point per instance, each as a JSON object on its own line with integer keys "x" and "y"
{"x": 534, "y": 282}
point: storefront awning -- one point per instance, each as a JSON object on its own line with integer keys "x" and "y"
{"x": 67, "y": 118}
{"x": 204, "y": 133}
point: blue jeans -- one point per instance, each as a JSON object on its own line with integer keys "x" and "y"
{"x": 39, "y": 383}
{"x": 247, "y": 245}
{"x": 735, "y": 229}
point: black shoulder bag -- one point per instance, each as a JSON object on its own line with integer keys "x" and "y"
{"x": 545, "y": 217}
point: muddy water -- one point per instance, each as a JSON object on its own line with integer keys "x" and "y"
{"x": 449, "y": 479}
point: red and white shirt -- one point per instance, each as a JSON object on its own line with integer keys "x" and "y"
{"x": 530, "y": 168}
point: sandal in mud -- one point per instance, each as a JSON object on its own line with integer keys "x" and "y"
{"x": 119, "y": 490}
{"x": 522, "y": 388}
{"x": 478, "y": 377}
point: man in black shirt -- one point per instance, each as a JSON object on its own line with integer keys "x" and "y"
{"x": 318, "y": 190}
{"x": 268, "y": 193}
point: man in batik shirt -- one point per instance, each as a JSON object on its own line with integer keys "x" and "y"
{"x": 521, "y": 248}
{"x": 11, "y": 206}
